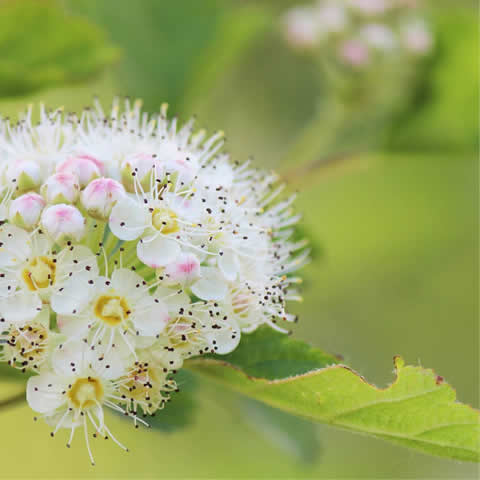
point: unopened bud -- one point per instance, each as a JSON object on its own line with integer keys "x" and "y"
{"x": 63, "y": 222}
{"x": 25, "y": 210}
{"x": 84, "y": 167}
{"x": 61, "y": 188}
{"x": 139, "y": 168}
{"x": 26, "y": 175}
{"x": 100, "y": 196}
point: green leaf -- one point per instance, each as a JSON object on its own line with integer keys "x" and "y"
{"x": 41, "y": 46}
{"x": 272, "y": 355}
{"x": 179, "y": 412}
{"x": 418, "y": 410}
{"x": 292, "y": 434}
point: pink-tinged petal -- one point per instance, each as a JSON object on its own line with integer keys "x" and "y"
{"x": 158, "y": 251}
{"x": 185, "y": 269}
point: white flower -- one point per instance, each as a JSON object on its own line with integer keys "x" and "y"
{"x": 113, "y": 309}
{"x": 145, "y": 385}
{"x": 32, "y": 272}
{"x": 27, "y": 345}
{"x": 75, "y": 391}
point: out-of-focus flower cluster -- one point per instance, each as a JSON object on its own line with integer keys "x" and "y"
{"x": 360, "y": 34}
{"x": 127, "y": 245}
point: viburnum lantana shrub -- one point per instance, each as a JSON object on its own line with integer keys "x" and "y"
{"x": 127, "y": 245}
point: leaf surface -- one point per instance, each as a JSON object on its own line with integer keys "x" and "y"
{"x": 418, "y": 410}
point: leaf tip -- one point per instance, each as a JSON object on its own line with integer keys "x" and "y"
{"x": 398, "y": 362}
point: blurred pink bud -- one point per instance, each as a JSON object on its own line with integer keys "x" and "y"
{"x": 354, "y": 53}
{"x": 61, "y": 188}
{"x": 332, "y": 18}
{"x": 371, "y": 7}
{"x": 417, "y": 38}
{"x": 25, "y": 210}
{"x": 100, "y": 195}
{"x": 379, "y": 36}
{"x": 84, "y": 167}
{"x": 63, "y": 222}
{"x": 301, "y": 28}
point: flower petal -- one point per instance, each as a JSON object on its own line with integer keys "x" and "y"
{"x": 157, "y": 251}
{"x": 225, "y": 339}
{"x": 21, "y": 307}
{"x": 44, "y": 393}
{"x": 211, "y": 285}
{"x": 15, "y": 245}
{"x": 153, "y": 317}
{"x": 73, "y": 295}
{"x": 228, "y": 263}
{"x": 128, "y": 219}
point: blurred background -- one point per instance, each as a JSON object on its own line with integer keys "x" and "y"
{"x": 392, "y": 217}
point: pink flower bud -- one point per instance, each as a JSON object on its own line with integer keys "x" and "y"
{"x": 354, "y": 53}
{"x": 100, "y": 195}
{"x": 139, "y": 168}
{"x": 84, "y": 167}
{"x": 25, "y": 174}
{"x": 417, "y": 38}
{"x": 25, "y": 210}
{"x": 61, "y": 188}
{"x": 379, "y": 36}
{"x": 371, "y": 7}
{"x": 63, "y": 222}
{"x": 184, "y": 269}
{"x": 301, "y": 28}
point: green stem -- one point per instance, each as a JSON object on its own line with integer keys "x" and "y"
{"x": 318, "y": 137}
{"x": 12, "y": 401}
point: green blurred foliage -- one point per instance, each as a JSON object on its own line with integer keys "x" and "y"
{"x": 172, "y": 49}
{"x": 180, "y": 411}
{"x": 41, "y": 46}
{"x": 291, "y": 434}
{"x": 451, "y": 86}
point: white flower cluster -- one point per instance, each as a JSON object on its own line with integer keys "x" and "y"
{"x": 127, "y": 245}
{"x": 360, "y": 33}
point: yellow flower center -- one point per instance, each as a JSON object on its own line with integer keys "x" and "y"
{"x": 165, "y": 220}
{"x": 85, "y": 392}
{"x": 111, "y": 309}
{"x": 40, "y": 273}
